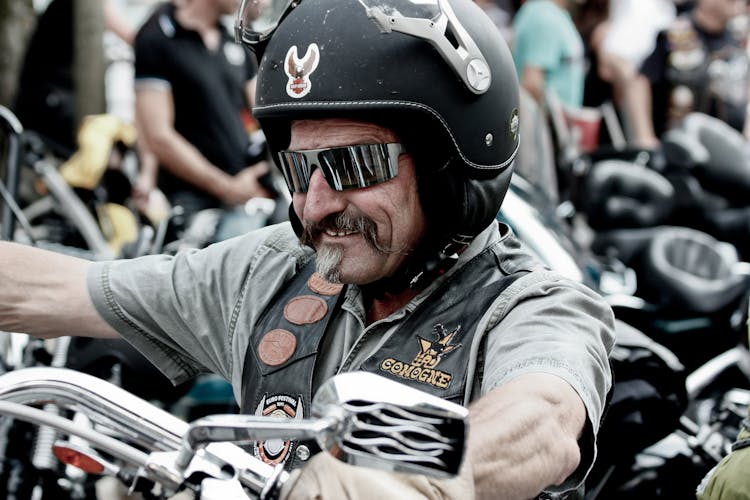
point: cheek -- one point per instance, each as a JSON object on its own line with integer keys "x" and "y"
{"x": 419, "y": 221}
{"x": 406, "y": 214}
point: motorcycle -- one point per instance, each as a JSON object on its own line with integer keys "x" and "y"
{"x": 82, "y": 203}
{"x": 679, "y": 219}
{"x": 78, "y": 204}
{"x": 697, "y": 179}
{"x": 360, "y": 418}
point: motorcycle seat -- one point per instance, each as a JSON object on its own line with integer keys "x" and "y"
{"x": 693, "y": 270}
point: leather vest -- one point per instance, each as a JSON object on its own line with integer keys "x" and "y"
{"x": 431, "y": 349}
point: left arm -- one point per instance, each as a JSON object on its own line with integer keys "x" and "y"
{"x": 115, "y": 22}
{"x": 546, "y": 376}
{"x": 533, "y": 422}
{"x": 544, "y": 388}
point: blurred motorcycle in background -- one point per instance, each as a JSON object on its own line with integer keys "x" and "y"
{"x": 663, "y": 237}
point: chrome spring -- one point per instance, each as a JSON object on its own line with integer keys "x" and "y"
{"x": 42, "y": 456}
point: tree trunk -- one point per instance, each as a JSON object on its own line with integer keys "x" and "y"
{"x": 88, "y": 58}
{"x": 17, "y": 20}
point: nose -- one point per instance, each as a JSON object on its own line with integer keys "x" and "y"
{"x": 321, "y": 200}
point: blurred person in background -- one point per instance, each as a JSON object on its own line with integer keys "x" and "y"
{"x": 592, "y": 21}
{"x": 392, "y": 222}
{"x": 548, "y": 51}
{"x": 45, "y": 101}
{"x": 627, "y": 38}
{"x": 194, "y": 91}
{"x": 698, "y": 64}
{"x": 501, "y": 12}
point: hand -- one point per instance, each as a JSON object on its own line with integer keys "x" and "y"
{"x": 325, "y": 477}
{"x": 246, "y": 185}
{"x": 143, "y": 186}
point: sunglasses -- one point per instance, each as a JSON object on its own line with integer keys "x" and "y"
{"x": 348, "y": 167}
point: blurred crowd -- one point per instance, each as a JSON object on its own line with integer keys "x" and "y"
{"x": 653, "y": 61}
{"x": 175, "y": 73}
{"x": 613, "y": 72}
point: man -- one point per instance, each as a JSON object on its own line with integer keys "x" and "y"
{"x": 698, "y": 64}
{"x": 548, "y": 51}
{"x": 397, "y": 172}
{"x": 193, "y": 86}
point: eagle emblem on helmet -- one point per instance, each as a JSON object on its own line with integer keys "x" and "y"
{"x": 299, "y": 70}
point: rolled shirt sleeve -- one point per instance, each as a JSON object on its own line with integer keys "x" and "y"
{"x": 556, "y": 326}
{"x": 182, "y": 311}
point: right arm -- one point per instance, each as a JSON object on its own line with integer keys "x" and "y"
{"x": 533, "y": 80}
{"x": 638, "y": 102}
{"x": 45, "y": 294}
{"x": 637, "y": 95}
{"x": 534, "y": 54}
{"x": 155, "y": 111}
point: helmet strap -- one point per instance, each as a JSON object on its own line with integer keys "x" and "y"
{"x": 423, "y": 268}
{"x": 438, "y": 264}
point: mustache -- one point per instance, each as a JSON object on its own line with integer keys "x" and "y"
{"x": 341, "y": 222}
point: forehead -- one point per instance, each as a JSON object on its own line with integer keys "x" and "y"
{"x": 333, "y": 132}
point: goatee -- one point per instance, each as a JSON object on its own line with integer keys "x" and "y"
{"x": 327, "y": 260}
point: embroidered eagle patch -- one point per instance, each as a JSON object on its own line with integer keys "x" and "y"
{"x": 423, "y": 368}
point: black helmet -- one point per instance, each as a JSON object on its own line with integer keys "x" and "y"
{"x": 444, "y": 81}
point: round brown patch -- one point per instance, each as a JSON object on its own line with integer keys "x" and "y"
{"x": 305, "y": 310}
{"x": 276, "y": 347}
{"x": 318, "y": 284}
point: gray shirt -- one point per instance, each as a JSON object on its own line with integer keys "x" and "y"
{"x": 192, "y": 313}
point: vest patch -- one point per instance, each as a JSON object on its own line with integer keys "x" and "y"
{"x": 423, "y": 368}
{"x": 277, "y": 451}
{"x": 320, "y": 285}
{"x": 277, "y": 346}
{"x": 305, "y": 310}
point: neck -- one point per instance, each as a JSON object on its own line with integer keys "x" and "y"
{"x": 708, "y": 21}
{"x": 386, "y": 304}
{"x": 197, "y": 15}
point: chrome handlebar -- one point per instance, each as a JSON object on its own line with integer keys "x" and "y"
{"x": 124, "y": 425}
{"x": 366, "y": 419}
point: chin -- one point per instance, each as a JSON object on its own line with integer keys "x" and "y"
{"x": 336, "y": 266}
{"x": 360, "y": 276}
{"x": 356, "y": 275}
